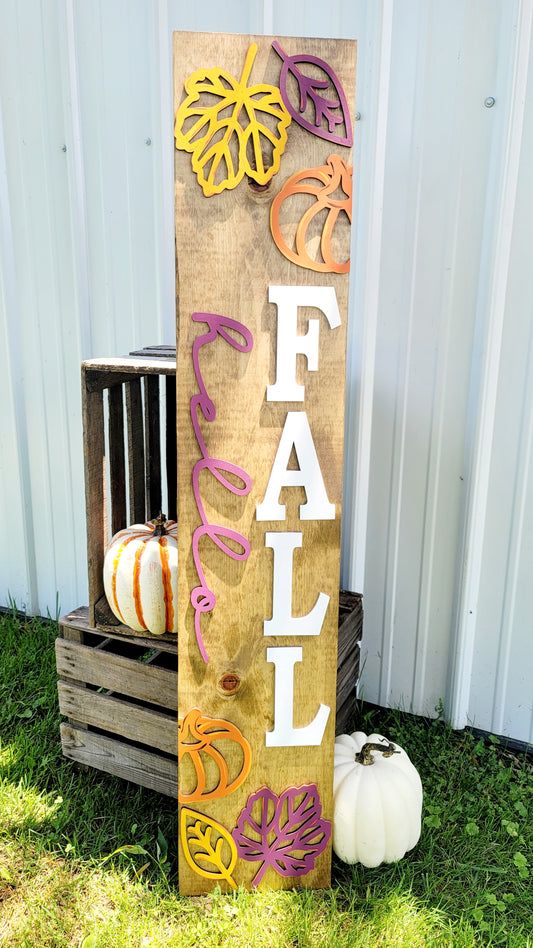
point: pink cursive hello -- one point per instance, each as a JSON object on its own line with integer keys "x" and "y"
{"x": 203, "y": 598}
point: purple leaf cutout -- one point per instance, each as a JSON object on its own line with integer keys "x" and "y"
{"x": 285, "y": 832}
{"x": 331, "y": 111}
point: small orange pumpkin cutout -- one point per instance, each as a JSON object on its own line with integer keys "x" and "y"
{"x": 197, "y": 740}
{"x": 333, "y": 194}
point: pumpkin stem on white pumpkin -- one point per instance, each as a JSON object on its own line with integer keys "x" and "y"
{"x": 364, "y": 756}
{"x": 159, "y": 525}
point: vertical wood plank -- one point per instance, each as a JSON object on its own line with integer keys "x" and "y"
{"x": 226, "y": 261}
{"x": 152, "y": 443}
{"x": 117, "y": 462}
{"x": 135, "y": 428}
{"x": 95, "y": 478}
{"x": 171, "y": 448}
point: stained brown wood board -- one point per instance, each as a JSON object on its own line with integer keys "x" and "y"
{"x": 226, "y": 260}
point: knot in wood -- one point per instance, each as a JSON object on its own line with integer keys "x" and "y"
{"x": 230, "y": 683}
{"x": 258, "y": 188}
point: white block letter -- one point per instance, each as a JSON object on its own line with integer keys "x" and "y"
{"x": 289, "y": 343}
{"x": 282, "y": 621}
{"x": 284, "y": 734}
{"x": 296, "y": 433}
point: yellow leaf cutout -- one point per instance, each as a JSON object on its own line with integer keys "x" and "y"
{"x": 205, "y": 844}
{"x": 230, "y": 128}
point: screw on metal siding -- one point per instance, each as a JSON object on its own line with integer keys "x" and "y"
{"x": 63, "y": 147}
{"x": 357, "y": 117}
{"x": 148, "y": 141}
{"x": 490, "y": 101}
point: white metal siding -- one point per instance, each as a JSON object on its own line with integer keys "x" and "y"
{"x": 498, "y": 682}
{"x": 438, "y": 515}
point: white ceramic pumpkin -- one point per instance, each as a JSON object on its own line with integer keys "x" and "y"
{"x": 377, "y": 800}
{"x": 141, "y": 576}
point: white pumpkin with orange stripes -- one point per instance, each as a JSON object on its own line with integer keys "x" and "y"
{"x": 141, "y": 576}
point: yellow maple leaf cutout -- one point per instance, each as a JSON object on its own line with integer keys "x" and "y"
{"x": 205, "y": 843}
{"x": 225, "y": 133}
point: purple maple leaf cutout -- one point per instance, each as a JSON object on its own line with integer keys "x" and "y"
{"x": 286, "y": 832}
{"x": 333, "y": 111}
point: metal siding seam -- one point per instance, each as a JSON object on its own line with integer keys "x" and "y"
{"x": 268, "y": 17}
{"x": 428, "y": 684}
{"x": 60, "y": 499}
{"x": 16, "y": 382}
{"x": 396, "y": 674}
{"x": 77, "y": 177}
{"x": 462, "y": 657}
{"x": 358, "y": 463}
{"x": 165, "y": 180}
{"x": 515, "y": 552}
{"x": 80, "y": 258}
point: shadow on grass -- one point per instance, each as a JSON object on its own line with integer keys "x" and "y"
{"x": 75, "y": 812}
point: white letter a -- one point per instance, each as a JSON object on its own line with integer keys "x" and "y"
{"x": 296, "y": 433}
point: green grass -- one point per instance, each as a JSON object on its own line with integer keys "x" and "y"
{"x": 63, "y": 883}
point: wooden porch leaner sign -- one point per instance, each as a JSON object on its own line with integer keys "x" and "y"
{"x": 263, "y": 134}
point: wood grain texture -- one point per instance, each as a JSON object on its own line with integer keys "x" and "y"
{"x": 135, "y": 431}
{"x": 117, "y": 461}
{"x": 107, "y": 366}
{"x": 171, "y": 447}
{"x": 77, "y": 622}
{"x": 143, "y": 767}
{"x": 95, "y": 507}
{"x": 117, "y": 673}
{"x": 117, "y": 716}
{"x": 226, "y": 260}
{"x": 152, "y": 443}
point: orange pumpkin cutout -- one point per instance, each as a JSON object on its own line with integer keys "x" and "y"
{"x": 333, "y": 194}
{"x": 197, "y": 736}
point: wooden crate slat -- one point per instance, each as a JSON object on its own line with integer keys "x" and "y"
{"x": 101, "y": 373}
{"x": 117, "y": 673}
{"x": 348, "y": 641}
{"x": 98, "y": 381}
{"x": 350, "y": 625}
{"x": 345, "y": 715}
{"x": 349, "y": 601}
{"x": 156, "y": 352}
{"x": 121, "y": 717}
{"x": 345, "y": 671}
{"x": 152, "y": 447}
{"x": 95, "y": 478}
{"x": 135, "y": 426}
{"x": 78, "y": 621}
{"x": 122, "y": 760}
{"x": 171, "y": 449}
{"x": 117, "y": 461}
{"x": 346, "y": 694}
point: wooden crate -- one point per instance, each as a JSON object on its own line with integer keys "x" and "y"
{"x": 348, "y": 652}
{"x": 119, "y": 693}
{"x": 129, "y": 436}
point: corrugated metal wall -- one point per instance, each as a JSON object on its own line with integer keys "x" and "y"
{"x": 438, "y": 525}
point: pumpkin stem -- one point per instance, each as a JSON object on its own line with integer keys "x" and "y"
{"x": 364, "y": 756}
{"x": 159, "y": 525}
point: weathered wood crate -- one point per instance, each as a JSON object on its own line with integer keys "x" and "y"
{"x": 119, "y": 693}
{"x": 129, "y": 436}
{"x": 348, "y": 654}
